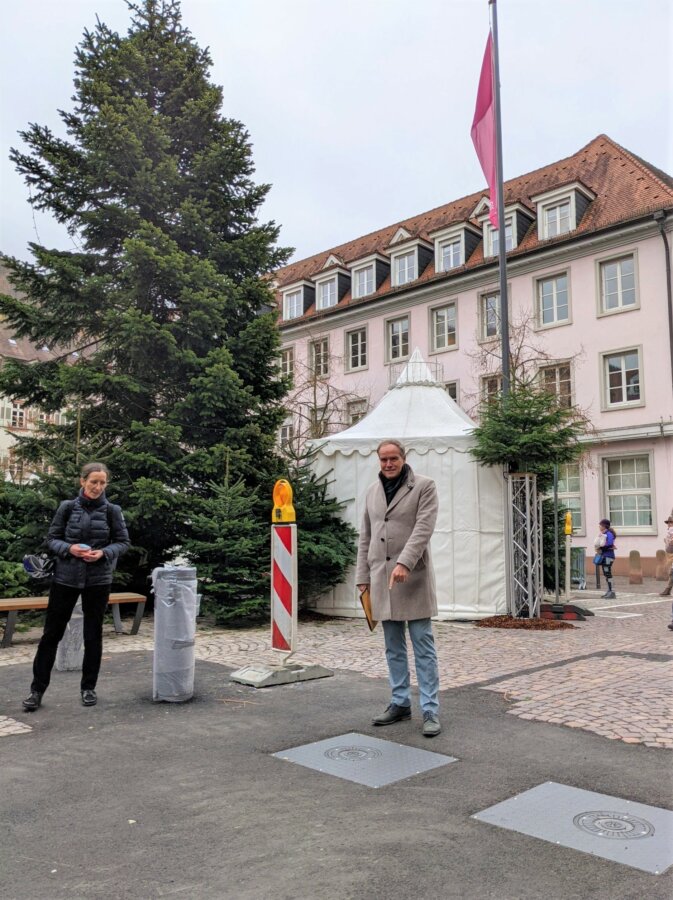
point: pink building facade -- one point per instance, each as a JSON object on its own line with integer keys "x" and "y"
{"x": 589, "y": 293}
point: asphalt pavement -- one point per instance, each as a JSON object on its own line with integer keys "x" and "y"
{"x": 135, "y": 799}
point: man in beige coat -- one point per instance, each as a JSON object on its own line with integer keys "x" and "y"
{"x": 394, "y": 562}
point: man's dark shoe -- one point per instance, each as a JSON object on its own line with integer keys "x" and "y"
{"x": 392, "y": 714}
{"x": 670, "y": 626}
{"x": 30, "y": 704}
{"x": 431, "y": 726}
{"x": 89, "y": 698}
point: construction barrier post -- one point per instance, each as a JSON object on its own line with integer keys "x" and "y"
{"x": 284, "y": 602}
{"x": 284, "y": 579}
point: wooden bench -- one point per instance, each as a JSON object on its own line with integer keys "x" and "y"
{"x": 14, "y": 605}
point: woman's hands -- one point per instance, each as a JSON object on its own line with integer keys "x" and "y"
{"x": 85, "y": 553}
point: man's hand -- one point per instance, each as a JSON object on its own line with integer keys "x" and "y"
{"x": 362, "y": 587}
{"x": 399, "y": 574}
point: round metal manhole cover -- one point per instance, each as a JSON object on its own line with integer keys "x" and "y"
{"x": 352, "y": 754}
{"x": 613, "y": 825}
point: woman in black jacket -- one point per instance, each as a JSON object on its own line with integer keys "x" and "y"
{"x": 87, "y": 536}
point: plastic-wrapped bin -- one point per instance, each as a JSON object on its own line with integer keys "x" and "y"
{"x": 176, "y": 605}
{"x": 577, "y": 567}
{"x": 70, "y": 653}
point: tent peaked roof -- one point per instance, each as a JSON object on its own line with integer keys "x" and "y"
{"x": 417, "y": 371}
{"x": 417, "y": 411}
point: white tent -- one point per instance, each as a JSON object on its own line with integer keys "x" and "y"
{"x": 468, "y": 546}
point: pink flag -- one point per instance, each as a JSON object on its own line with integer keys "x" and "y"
{"x": 483, "y": 128}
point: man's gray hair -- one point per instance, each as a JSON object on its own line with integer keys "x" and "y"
{"x": 395, "y": 443}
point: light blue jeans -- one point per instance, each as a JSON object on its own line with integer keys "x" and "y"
{"x": 425, "y": 657}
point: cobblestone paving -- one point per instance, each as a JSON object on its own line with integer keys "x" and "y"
{"x": 609, "y": 675}
{"x": 11, "y": 726}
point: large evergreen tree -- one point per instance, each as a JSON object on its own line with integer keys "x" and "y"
{"x": 169, "y": 350}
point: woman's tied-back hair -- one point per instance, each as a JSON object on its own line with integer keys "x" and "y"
{"x": 606, "y": 524}
{"x": 93, "y": 467}
{"x": 395, "y": 443}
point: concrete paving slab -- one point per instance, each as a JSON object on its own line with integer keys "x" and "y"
{"x": 364, "y": 760}
{"x": 633, "y": 834}
{"x": 135, "y": 799}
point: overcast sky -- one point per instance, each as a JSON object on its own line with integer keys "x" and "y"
{"x": 360, "y": 110}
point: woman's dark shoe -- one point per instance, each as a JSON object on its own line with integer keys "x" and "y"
{"x": 30, "y": 704}
{"x": 392, "y": 714}
{"x": 89, "y": 698}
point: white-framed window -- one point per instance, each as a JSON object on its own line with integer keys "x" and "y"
{"x": 552, "y": 300}
{"x": 319, "y": 357}
{"x": 489, "y": 315}
{"x": 363, "y": 281}
{"x": 493, "y": 237}
{"x": 556, "y": 380}
{"x": 397, "y": 339}
{"x": 444, "y": 327}
{"x": 327, "y": 294}
{"x": 292, "y": 304}
{"x": 451, "y": 254}
{"x": 287, "y": 433}
{"x": 356, "y": 410}
{"x": 287, "y": 362}
{"x": 404, "y": 267}
{"x": 569, "y": 490}
{"x": 356, "y": 349}
{"x": 491, "y": 387}
{"x": 556, "y": 218}
{"x": 622, "y": 378}
{"x": 451, "y": 388}
{"x": 627, "y": 485}
{"x": 18, "y": 419}
{"x": 618, "y": 284}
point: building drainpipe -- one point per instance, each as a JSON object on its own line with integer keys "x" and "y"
{"x": 660, "y": 219}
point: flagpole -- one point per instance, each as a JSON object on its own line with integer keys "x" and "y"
{"x": 502, "y": 250}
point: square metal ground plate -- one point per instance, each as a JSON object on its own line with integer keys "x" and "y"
{"x": 363, "y": 759}
{"x": 619, "y": 830}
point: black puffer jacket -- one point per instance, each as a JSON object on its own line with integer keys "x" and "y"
{"x": 84, "y": 521}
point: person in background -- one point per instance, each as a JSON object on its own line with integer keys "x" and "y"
{"x": 87, "y": 536}
{"x": 394, "y": 562}
{"x": 606, "y": 540}
{"x": 668, "y": 547}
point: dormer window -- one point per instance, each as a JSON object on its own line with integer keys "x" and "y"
{"x": 292, "y": 305}
{"x": 560, "y": 211}
{"x": 556, "y": 218}
{"x": 368, "y": 274}
{"x": 327, "y": 294}
{"x": 451, "y": 254}
{"x": 409, "y": 257}
{"x": 332, "y": 283}
{"x": 363, "y": 281}
{"x": 454, "y": 246}
{"x": 297, "y": 298}
{"x": 405, "y": 268}
{"x": 518, "y": 219}
{"x": 492, "y": 240}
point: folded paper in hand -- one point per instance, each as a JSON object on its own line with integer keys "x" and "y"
{"x": 366, "y": 602}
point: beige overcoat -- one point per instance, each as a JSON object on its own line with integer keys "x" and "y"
{"x": 399, "y": 533}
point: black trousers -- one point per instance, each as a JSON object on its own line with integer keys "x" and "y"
{"x": 62, "y": 600}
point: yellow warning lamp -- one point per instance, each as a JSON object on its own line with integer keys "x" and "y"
{"x": 283, "y": 510}
{"x": 569, "y": 523}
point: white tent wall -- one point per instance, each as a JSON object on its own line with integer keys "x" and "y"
{"x": 468, "y": 547}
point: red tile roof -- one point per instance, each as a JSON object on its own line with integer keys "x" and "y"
{"x": 626, "y": 188}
